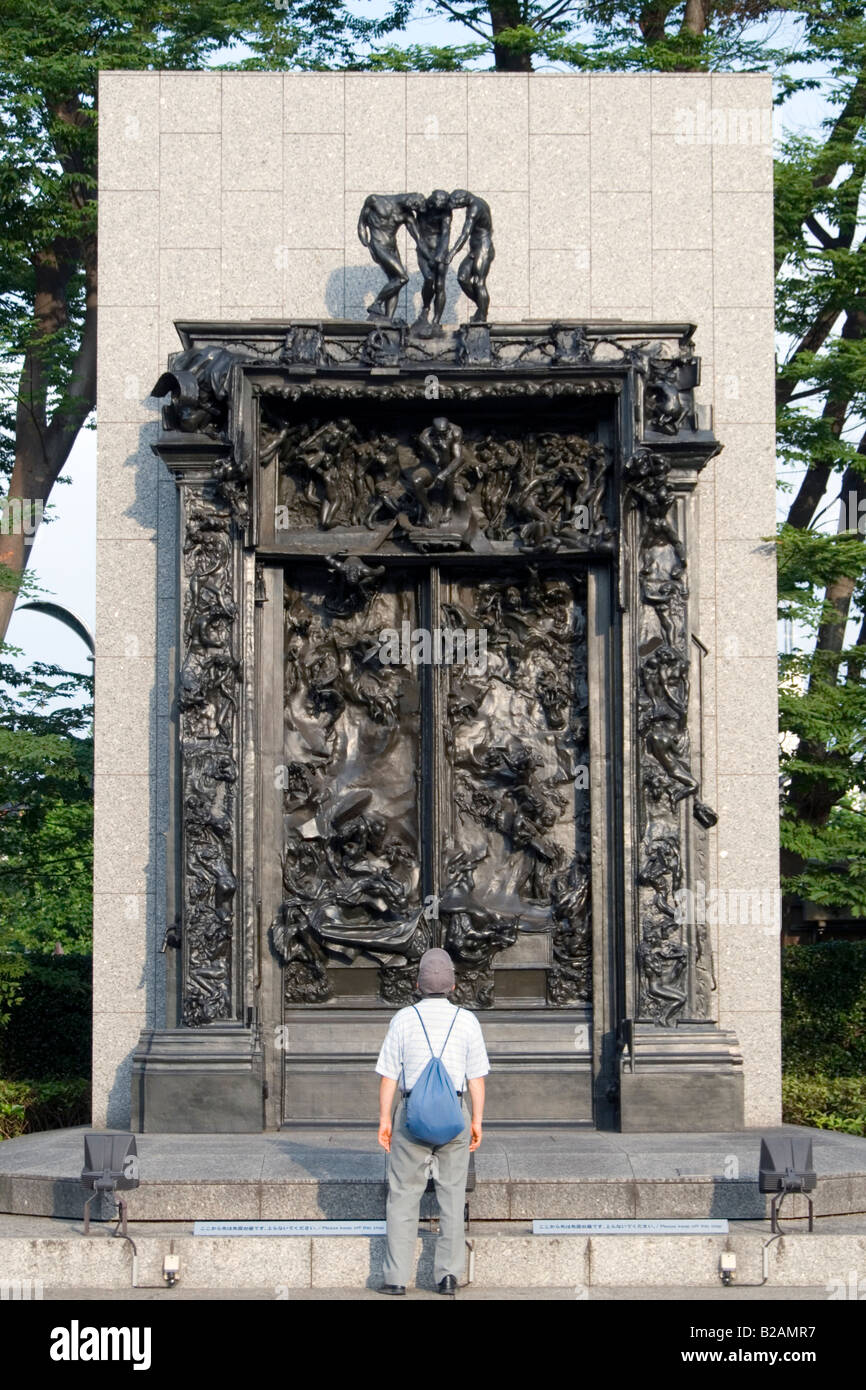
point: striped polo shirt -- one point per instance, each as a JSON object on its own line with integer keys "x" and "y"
{"x": 406, "y": 1047}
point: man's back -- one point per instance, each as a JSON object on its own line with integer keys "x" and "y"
{"x": 405, "y": 1052}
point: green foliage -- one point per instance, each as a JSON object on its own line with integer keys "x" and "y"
{"x": 828, "y": 718}
{"x": 824, "y": 1009}
{"x": 50, "y": 58}
{"x": 808, "y": 558}
{"x": 644, "y": 37}
{"x": 13, "y": 967}
{"x": 48, "y": 1034}
{"x": 24, "y": 585}
{"x": 424, "y": 58}
{"x": 825, "y": 1102}
{"x": 512, "y": 32}
{"x": 834, "y": 858}
{"x": 46, "y": 820}
{"x": 824, "y": 1036}
{"x": 29, "y": 1106}
{"x": 821, "y": 391}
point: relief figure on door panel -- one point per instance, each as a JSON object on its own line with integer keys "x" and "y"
{"x": 351, "y": 867}
{"x": 439, "y": 485}
{"x": 516, "y": 840}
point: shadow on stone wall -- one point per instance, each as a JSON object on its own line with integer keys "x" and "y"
{"x": 349, "y": 288}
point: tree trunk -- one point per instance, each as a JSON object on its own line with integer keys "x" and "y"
{"x": 695, "y": 17}
{"x": 813, "y": 798}
{"x": 652, "y": 19}
{"x": 42, "y": 447}
{"x": 507, "y": 14}
{"x": 814, "y": 483}
{"x": 838, "y": 595}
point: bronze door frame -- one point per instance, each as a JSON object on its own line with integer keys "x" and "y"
{"x": 653, "y": 981}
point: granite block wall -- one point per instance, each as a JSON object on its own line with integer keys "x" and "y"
{"x": 236, "y": 196}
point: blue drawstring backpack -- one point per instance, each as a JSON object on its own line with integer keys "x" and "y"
{"x": 434, "y": 1114}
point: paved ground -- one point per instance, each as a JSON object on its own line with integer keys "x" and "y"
{"x": 516, "y": 1153}
{"x": 544, "y": 1295}
{"x": 46, "y": 1227}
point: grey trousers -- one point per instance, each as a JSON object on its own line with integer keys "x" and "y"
{"x": 408, "y": 1172}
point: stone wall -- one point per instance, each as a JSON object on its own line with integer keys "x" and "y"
{"x": 236, "y": 196}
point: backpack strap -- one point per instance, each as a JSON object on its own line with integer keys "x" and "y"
{"x": 427, "y": 1036}
{"x": 448, "y": 1034}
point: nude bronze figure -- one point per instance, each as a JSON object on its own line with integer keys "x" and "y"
{"x": 474, "y": 268}
{"x": 382, "y": 216}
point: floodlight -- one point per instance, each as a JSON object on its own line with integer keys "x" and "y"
{"x": 110, "y": 1165}
{"x": 786, "y": 1166}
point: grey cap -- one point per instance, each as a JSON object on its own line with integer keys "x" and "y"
{"x": 435, "y": 972}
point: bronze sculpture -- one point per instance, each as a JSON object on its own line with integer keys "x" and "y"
{"x": 474, "y": 268}
{"x": 382, "y": 216}
{"x": 433, "y": 234}
{"x": 428, "y": 222}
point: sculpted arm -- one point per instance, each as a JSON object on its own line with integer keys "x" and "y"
{"x": 464, "y": 235}
{"x": 412, "y": 227}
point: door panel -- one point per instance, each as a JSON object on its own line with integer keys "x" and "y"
{"x": 351, "y": 852}
{"x": 515, "y": 824}
{"x": 438, "y": 794}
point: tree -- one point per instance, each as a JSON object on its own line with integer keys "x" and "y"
{"x": 657, "y": 35}
{"x": 511, "y": 30}
{"x": 821, "y": 395}
{"x": 50, "y": 56}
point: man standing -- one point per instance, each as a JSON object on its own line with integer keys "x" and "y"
{"x": 404, "y": 1055}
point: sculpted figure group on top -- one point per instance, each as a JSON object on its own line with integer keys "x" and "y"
{"x": 428, "y": 222}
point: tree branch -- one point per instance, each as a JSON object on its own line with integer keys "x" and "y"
{"x": 80, "y": 395}
{"x": 845, "y": 130}
{"x": 821, "y": 234}
{"x": 813, "y": 340}
{"x": 461, "y": 19}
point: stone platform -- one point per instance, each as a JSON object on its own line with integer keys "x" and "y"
{"x": 521, "y": 1175}
{"x": 43, "y": 1257}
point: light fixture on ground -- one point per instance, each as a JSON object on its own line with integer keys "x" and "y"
{"x": 110, "y": 1165}
{"x": 786, "y": 1166}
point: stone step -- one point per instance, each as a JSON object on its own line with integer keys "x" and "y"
{"x": 519, "y": 1176}
{"x": 568, "y": 1199}
{"x": 54, "y": 1255}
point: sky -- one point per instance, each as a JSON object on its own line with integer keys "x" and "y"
{"x": 64, "y": 558}
{"x": 64, "y": 564}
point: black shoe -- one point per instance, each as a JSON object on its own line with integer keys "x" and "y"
{"x": 393, "y": 1288}
{"x": 448, "y": 1284}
